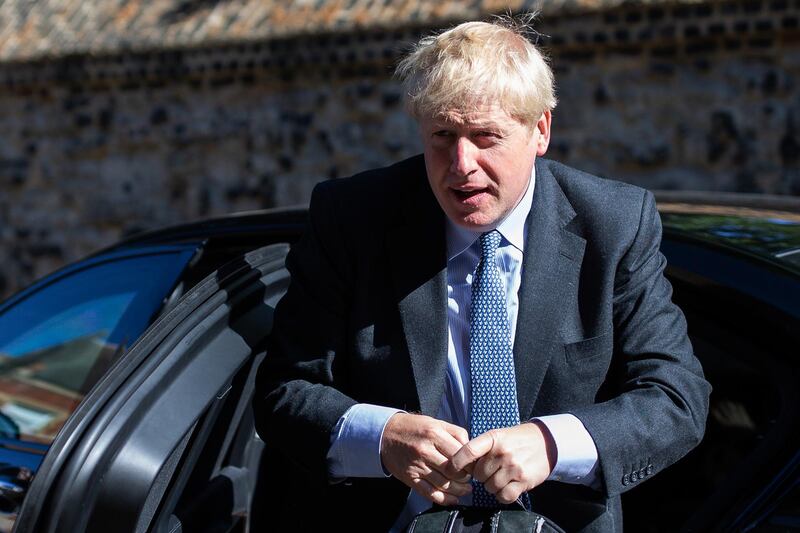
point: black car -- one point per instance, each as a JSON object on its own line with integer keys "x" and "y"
{"x": 126, "y": 379}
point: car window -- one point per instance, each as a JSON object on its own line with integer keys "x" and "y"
{"x": 59, "y": 340}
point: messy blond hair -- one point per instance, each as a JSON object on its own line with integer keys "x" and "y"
{"x": 478, "y": 63}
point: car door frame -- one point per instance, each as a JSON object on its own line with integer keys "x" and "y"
{"x": 133, "y": 427}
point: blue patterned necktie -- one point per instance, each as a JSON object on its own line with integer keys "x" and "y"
{"x": 491, "y": 361}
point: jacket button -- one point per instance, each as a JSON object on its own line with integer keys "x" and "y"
{"x": 634, "y": 476}
{"x": 626, "y": 479}
{"x": 649, "y": 469}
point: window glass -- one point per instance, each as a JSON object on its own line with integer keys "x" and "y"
{"x": 57, "y": 342}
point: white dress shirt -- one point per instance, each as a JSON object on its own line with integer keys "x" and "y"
{"x": 355, "y": 441}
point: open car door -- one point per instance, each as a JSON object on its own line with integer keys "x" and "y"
{"x": 165, "y": 441}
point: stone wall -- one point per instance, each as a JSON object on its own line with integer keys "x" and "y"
{"x": 701, "y": 96}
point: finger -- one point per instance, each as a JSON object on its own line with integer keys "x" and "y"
{"x": 459, "y": 433}
{"x": 510, "y": 492}
{"x": 448, "y": 485}
{"x": 445, "y": 467}
{"x": 436, "y": 468}
{"x": 460, "y": 476}
{"x": 487, "y": 467}
{"x": 438, "y": 480}
{"x": 491, "y": 473}
{"x": 451, "y": 441}
{"x": 433, "y": 494}
{"x": 473, "y": 450}
{"x": 460, "y": 489}
{"x": 447, "y": 447}
{"x": 411, "y": 463}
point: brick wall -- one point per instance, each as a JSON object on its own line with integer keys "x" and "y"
{"x": 685, "y": 96}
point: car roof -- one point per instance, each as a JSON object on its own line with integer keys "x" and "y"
{"x": 767, "y": 234}
{"x": 288, "y": 220}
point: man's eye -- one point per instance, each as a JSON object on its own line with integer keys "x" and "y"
{"x": 486, "y": 134}
{"x": 442, "y": 133}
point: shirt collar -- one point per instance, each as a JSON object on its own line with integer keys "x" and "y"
{"x": 512, "y": 228}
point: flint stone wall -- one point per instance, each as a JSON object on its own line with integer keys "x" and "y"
{"x": 702, "y": 96}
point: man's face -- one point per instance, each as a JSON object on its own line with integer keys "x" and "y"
{"x": 479, "y": 163}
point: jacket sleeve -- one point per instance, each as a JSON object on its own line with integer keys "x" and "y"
{"x": 296, "y": 405}
{"x": 659, "y": 408}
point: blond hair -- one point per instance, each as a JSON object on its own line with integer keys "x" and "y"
{"x": 478, "y": 63}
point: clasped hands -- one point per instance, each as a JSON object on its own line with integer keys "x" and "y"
{"x": 437, "y": 459}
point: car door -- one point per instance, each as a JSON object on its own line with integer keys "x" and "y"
{"x": 167, "y": 434}
{"x": 59, "y": 336}
{"x": 743, "y": 314}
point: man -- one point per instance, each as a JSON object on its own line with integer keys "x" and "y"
{"x": 478, "y": 325}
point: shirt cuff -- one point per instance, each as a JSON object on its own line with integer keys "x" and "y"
{"x": 356, "y": 442}
{"x": 577, "y": 454}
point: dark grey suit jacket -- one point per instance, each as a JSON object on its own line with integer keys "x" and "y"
{"x": 364, "y": 320}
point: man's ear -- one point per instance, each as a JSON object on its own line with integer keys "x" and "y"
{"x": 543, "y": 131}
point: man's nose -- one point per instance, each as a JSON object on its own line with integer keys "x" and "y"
{"x": 464, "y": 157}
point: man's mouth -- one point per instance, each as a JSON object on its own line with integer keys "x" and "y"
{"x": 466, "y": 195}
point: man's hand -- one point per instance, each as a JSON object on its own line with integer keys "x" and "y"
{"x": 509, "y": 461}
{"x": 416, "y": 449}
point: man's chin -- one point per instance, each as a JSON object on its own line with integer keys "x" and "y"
{"x": 475, "y": 221}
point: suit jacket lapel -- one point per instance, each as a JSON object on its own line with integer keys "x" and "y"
{"x": 419, "y": 263}
{"x": 550, "y": 269}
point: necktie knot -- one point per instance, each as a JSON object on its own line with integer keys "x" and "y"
{"x": 489, "y": 243}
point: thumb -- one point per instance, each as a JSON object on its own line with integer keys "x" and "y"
{"x": 473, "y": 450}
